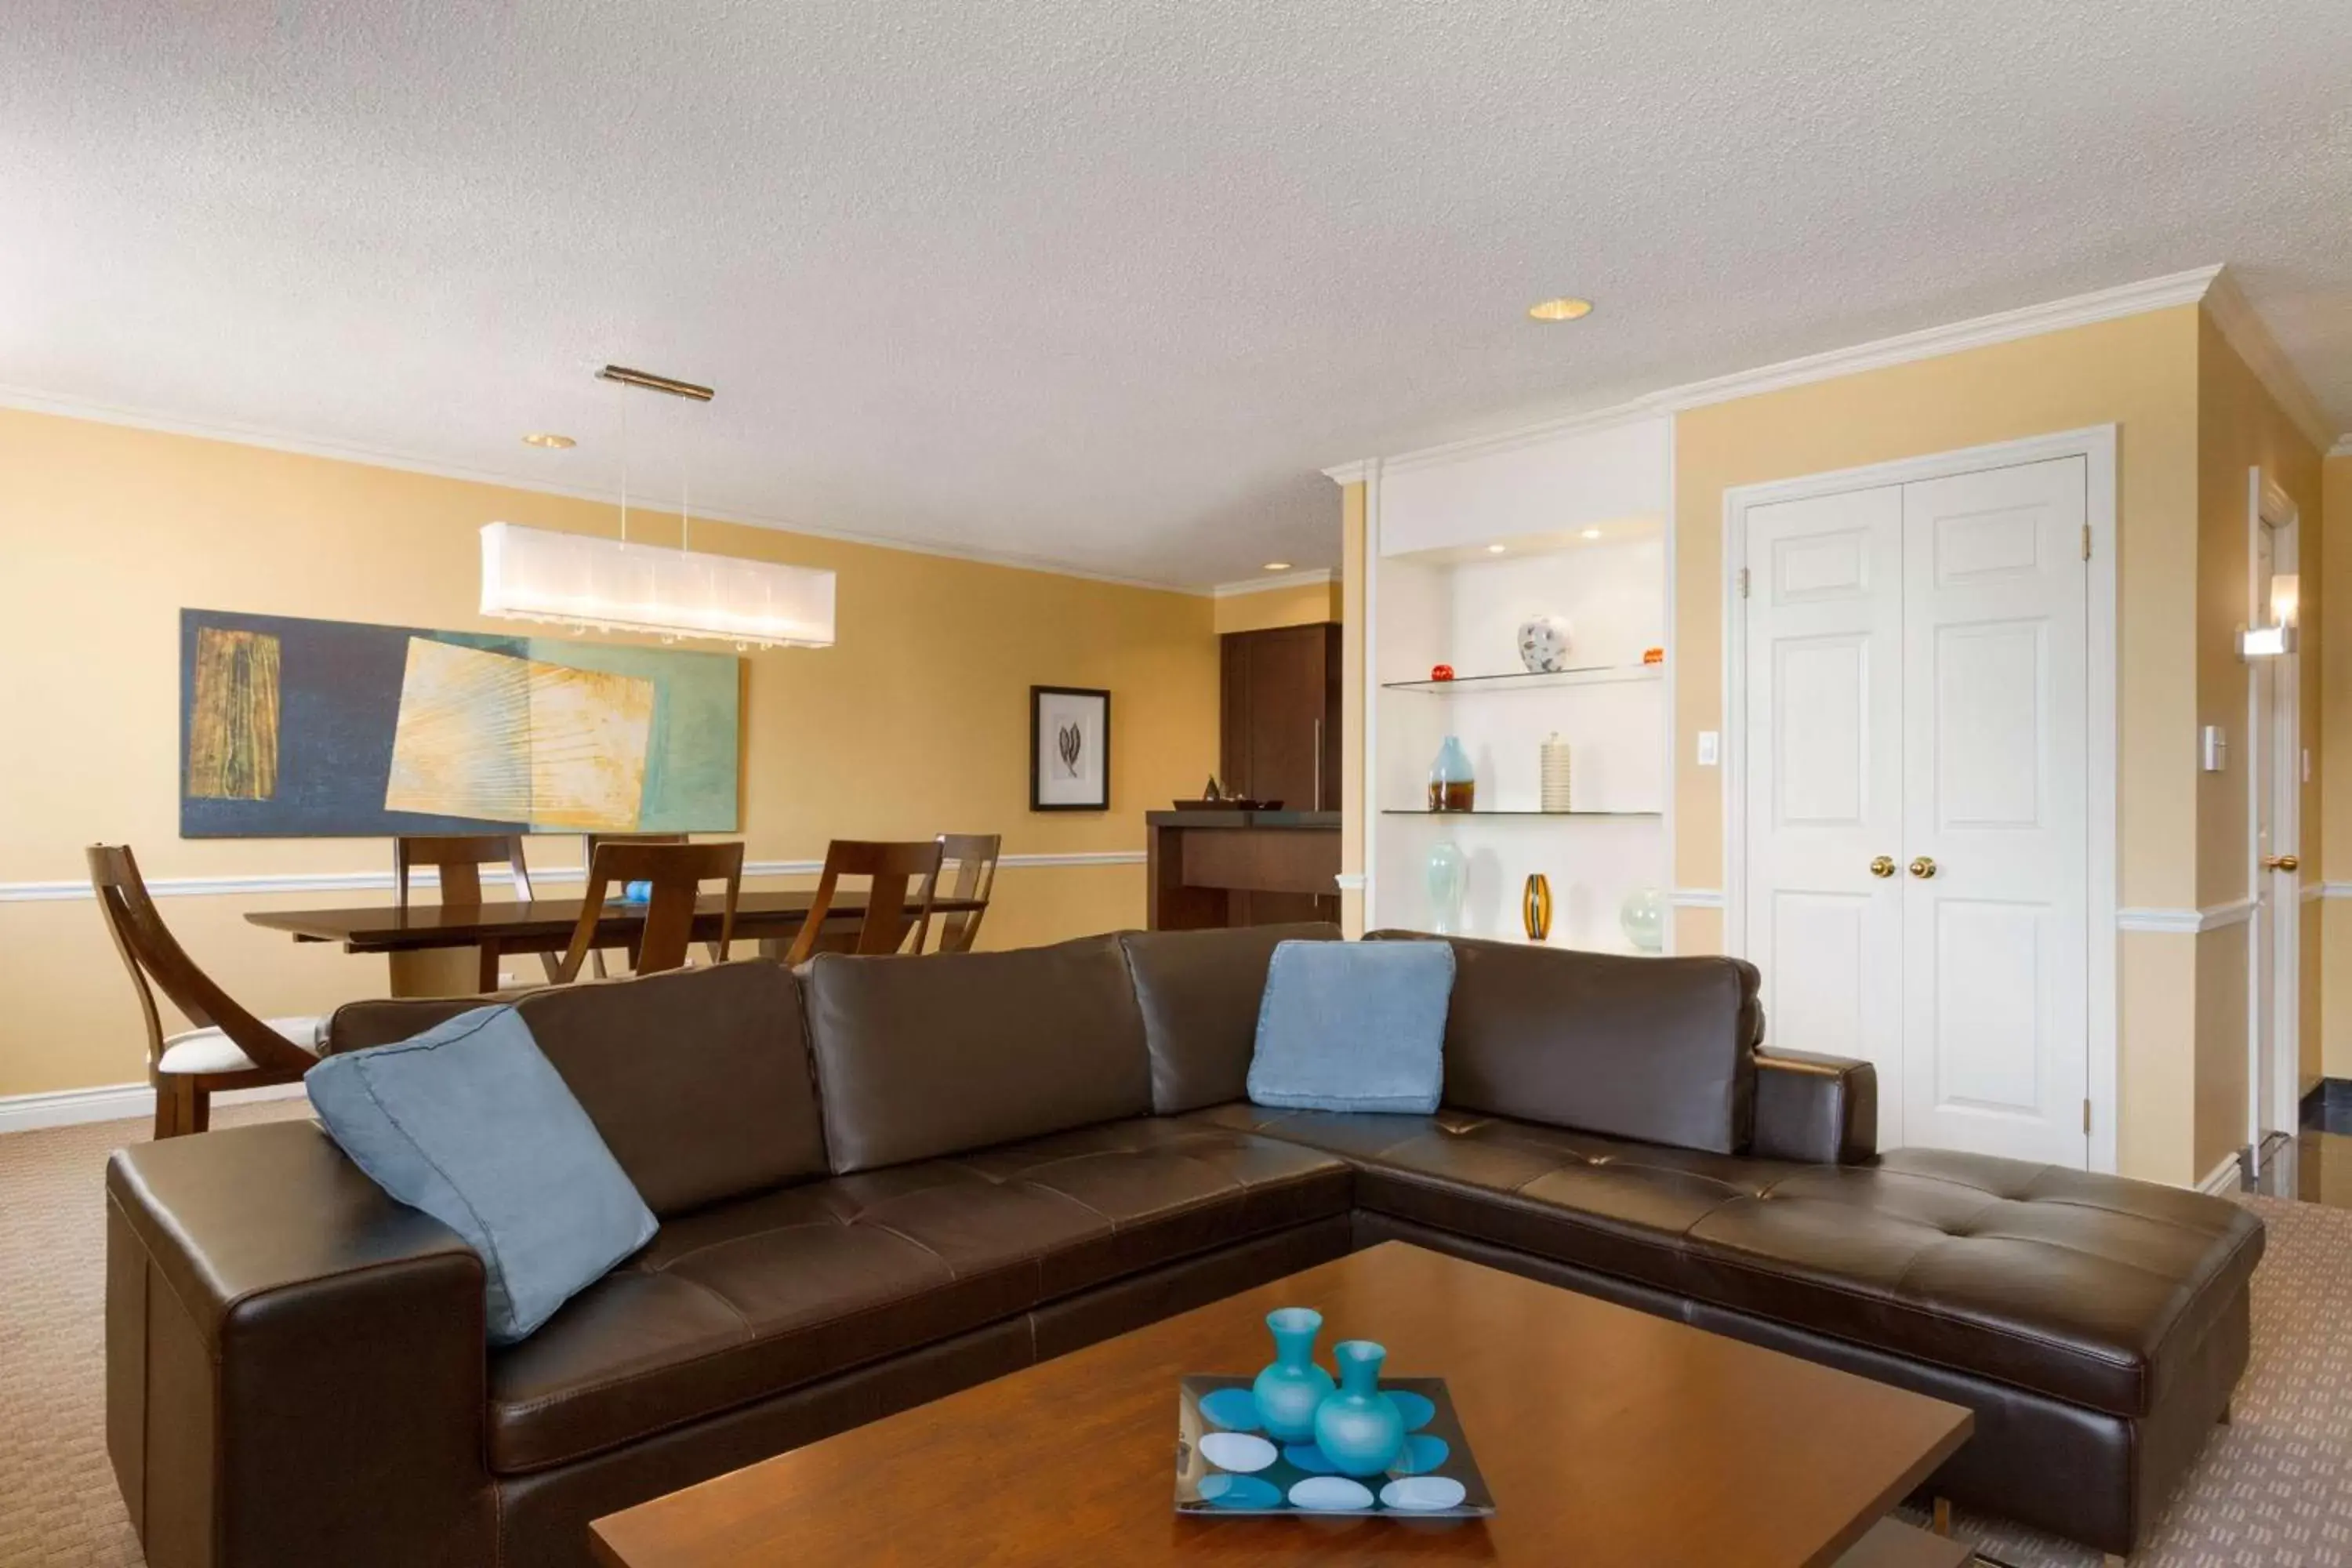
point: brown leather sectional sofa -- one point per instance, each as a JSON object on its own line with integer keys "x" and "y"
{"x": 885, "y": 1179}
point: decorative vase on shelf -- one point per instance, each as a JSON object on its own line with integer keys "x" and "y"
{"x": 1451, "y": 785}
{"x": 1292, "y": 1386}
{"x": 1554, "y": 773}
{"x": 1535, "y": 906}
{"x": 1642, "y": 917}
{"x": 1358, "y": 1429}
{"x": 1543, "y": 644}
{"x": 1447, "y": 875}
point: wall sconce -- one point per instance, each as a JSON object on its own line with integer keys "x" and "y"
{"x": 2278, "y": 637}
{"x": 2266, "y": 642}
{"x": 2286, "y": 597}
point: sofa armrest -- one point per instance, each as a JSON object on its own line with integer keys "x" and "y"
{"x": 1822, "y": 1111}
{"x": 295, "y": 1364}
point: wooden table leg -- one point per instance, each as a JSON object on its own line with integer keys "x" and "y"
{"x": 436, "y": 971}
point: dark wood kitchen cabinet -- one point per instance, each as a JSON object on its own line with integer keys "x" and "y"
{"x": 1281, "y": 723}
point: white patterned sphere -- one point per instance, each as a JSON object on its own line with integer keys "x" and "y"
{"x": 1543, "y": 644}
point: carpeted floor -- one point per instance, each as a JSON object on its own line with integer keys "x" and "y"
{"x": 2273, "y": 1490}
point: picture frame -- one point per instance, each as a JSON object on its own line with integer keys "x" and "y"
{"x": 1069, "y": 748}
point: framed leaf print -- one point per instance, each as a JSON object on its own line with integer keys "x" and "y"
{"x": 1069, "y": 748}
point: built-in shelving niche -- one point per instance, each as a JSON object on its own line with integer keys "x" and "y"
{"x": 1444, "y": 595}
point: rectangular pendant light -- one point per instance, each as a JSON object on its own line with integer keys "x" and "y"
{"x": 610, "y": 585}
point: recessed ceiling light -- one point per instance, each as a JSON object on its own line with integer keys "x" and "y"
{"x": 1277, "y": 566}
{"x": 1496, "y": 549}
{"x": 1592, "y": 533}
{"x": 1566, "y": 308}
{"x": 549, "y": 438}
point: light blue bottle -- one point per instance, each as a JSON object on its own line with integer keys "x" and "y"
{"x": 1447, "y": 875}
{"x": 1358, "y": 1429}
{"x": 1291, "y": 1388}
{"x": 1453, "y": 786}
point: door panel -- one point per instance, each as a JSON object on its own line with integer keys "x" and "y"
{"x": 1996, "y": 795}
{"x": 1823, "y": 657}
{"x": 1821, "y": 948}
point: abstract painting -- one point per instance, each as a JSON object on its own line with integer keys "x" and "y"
{"x": 294, "y": 728}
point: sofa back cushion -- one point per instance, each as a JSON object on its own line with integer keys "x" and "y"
{"x": 698, "y": 1080}
{"x": 918, "y": 1058}
{"x": 1200, "y": 992}
{"x": 1659, "y": 1050}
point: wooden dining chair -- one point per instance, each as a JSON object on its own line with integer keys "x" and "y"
{"x": 676, "y": 872}
{"x": 718, "y": 951}
{"x": 458, "y": 859}
{"x": 892, "y": 869}
{"x": 976, "y": 856}
{"x": 229, "y": 1047}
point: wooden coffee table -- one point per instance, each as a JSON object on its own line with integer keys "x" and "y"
{"x": 1607, "y": 1436}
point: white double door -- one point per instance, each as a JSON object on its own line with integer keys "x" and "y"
{"x": 1917, "y": 822}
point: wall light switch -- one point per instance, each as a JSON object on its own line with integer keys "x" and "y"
{"x": 2215, "y": 750}
{"x": 1706, "y": 747}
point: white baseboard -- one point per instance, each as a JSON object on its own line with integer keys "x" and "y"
{"x": 2223, "y": 1178}
{"x": 109, "y": 1103}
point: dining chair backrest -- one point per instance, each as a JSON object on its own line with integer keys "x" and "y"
{"x": 893, "y": 868}
{"x": 149, "y": 951}
{"x": 592, "y": 842}
{"x": 675, "y": 873}
{"x": 976, "y": 856}
{"x": 459, "y": 858}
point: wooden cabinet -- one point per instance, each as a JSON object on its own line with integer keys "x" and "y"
{"x": 1281, "y": 723}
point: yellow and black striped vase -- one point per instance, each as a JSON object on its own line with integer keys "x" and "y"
{"x": 1535, "y": 906}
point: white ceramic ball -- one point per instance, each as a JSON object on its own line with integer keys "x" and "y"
{"x": 1543, "y": 644}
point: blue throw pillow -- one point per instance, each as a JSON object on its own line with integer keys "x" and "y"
{"x": 470, "y": 1122}
{"x": 1350, "y": 1026}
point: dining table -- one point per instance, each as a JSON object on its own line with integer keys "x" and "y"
{"x": 434, "y": 949}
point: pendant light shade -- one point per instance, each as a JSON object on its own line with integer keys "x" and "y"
{"x": 577, "y": 579}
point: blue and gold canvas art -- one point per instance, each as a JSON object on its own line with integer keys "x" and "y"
{"x": 298, "y": 727}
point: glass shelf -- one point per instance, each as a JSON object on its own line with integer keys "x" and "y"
{"x": 1424, "y": 811}
{"x": 1583, "y": 675}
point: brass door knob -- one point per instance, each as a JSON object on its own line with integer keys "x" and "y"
{"x": 1923, "y": 867}
{"x": 2282, "y": 862}
{"x": 1883, "y": 866}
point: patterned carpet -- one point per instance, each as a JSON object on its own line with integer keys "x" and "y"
{"x": 2273, "y": 1490}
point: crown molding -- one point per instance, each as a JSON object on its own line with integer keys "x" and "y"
{"x": 1267, "y": 584}
{"x": 2162, "y": 293}
{"x": 2226, "y": 303}
{"x": 31, "y": 400}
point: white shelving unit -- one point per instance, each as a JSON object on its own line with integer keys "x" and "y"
{"x": 1441, "y": 592}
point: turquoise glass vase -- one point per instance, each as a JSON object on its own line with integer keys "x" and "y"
{"x": 1359, "y": 1427}
{"x": 1291, "y": 1388}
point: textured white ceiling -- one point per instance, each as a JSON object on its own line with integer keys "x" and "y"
{"x": 1094, "y": 282}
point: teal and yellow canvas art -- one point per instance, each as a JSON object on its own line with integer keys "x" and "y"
{"x": 298, "y": 727}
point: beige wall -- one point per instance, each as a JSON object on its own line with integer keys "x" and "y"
{"x": 1354, "y": 571}
{"x": 2334, "y": 839}
{"x": 1289, "y": 604}
{"x": 2240, "y": 427}
{"x": 916, "y": 722}
{"x": 2191, "y": 418}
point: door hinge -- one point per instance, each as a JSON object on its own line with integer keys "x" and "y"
{"x": 1743, "y": 582}
{"x": 2086, "y": 1118}
{"x": 2086, "y": 542}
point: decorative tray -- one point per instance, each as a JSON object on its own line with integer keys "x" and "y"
{"x": 1226, "y": 1465}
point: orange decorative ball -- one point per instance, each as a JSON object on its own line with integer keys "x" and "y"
{"x": 1440, "y": 672}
